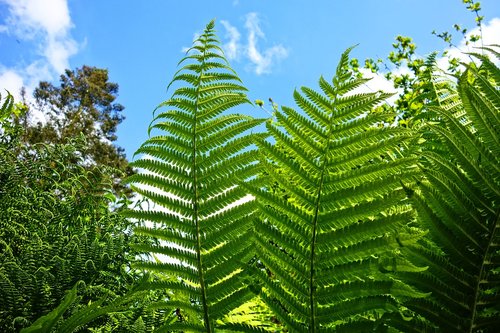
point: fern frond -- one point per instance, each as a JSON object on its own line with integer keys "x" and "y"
{"x": 6, "y": 106}
{"x": 191, "y": 170}
{"x": 458, "y": 203}
{"x": 339, "y": 206}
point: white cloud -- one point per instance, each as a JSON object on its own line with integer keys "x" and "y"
{"x": 377, "y": 82}
{"x": 58, "y": 53}
{"x": 44, "y": 25}
{"x": 233, "y": 47}
{"x": 491, "y": 32}
{"x": 261, "y": 61}
{"x": 27, "y": 17}
{"x": 11, "y": 81}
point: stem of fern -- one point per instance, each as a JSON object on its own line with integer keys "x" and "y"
{"x": 312, "y": 289}
{"x": 206, "y": 317}
{"x": 494, "y": 228}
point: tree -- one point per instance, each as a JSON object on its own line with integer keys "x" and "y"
{"x": 82, "y": 104}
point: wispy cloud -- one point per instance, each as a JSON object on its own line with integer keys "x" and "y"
{"x": 10, "y": 80}
{"x": 232, "y": 48}
{"x": 44, "y": 25}
{"x": 261, "y": 60}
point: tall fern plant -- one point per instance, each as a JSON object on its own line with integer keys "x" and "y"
{"x": 458, "y": 201}
{"x": 339, "y": 217}
{"x": 190, "y": 170}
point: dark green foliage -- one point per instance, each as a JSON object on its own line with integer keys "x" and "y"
{"x": 326, "y": 238}
{"x": 118, "y": 308}
{"x": 458, "y": 201}
{"x": 56, "y": 229}
{"x": 47, "y": 322}
{"x": 193, "y": 162}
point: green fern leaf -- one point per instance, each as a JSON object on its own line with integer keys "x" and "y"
{"x": 340, "y": 207}
{"x": 458, "y": 203}
{"x": 6, "y": 106}
{"x": 190, "y": 169}
{"x": 46, "y": 323}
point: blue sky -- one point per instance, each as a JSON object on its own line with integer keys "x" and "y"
{"x": 274, "y": 45}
